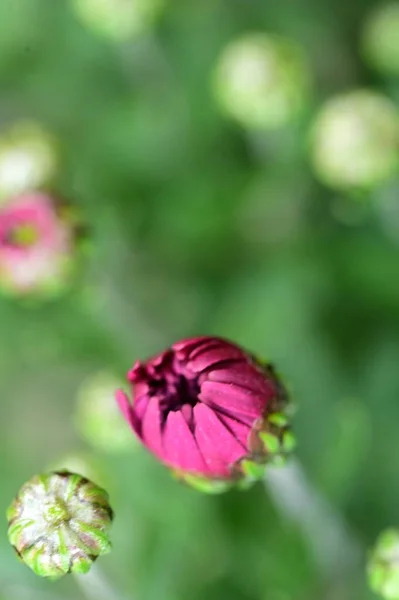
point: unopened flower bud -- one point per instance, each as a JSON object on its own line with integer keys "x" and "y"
{"x": 59, "y": 523}
{"x": 262, "y": 81}
{"x": 355, "y": 140}
{"x": 383, "y": 566}
{"x": 210, "y": 411}
{"x": 118, "y": 19}
{"x": 380, "y": 38}
{"x": 28, "y": 158}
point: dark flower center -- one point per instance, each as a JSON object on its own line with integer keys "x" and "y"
{"x": 183, "y": 391}
{"x": 175, "y": 389}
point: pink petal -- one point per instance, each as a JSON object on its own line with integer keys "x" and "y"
{"x": 207, "y": 344}
{"x": 244, "y": 375}
{"x": 232, "y": 398}
{"x": 214, "y": 356}
{"x": 240, "y": 430}
{"x": 189, "y": 343}
{"x": 180, "y": 448}
{"x": 217, "y": 445}
{"x": 151, "y": 428}
{"x": 124, "y": 404}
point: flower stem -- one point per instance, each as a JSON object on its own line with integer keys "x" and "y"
{"x": 334, "y": 546}
{"x": 95, "y": 586}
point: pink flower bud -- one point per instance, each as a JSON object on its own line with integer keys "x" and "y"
{"x": 208, "y": 409}
{"x": 36, "y": 245}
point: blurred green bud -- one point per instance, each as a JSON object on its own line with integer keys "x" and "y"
{"x": 380, "y": 38}
{"x": 118, "y": 19}
{"x": 59, "y": 523}
{"x": 98, "y": 417}
{"x": 383, "y": 565}
{"x": 261, "y": 81}
{"x": 28, "y": 158}
{"x": 355, "y": 140}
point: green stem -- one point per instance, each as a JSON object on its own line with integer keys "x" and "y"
{"x": 95, "y": 585}
{"x": 334, "y": 546}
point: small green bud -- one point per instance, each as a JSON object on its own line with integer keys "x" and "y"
{"x": 262, "y": 81}
{"x": 380, "y": 38}
{"x": 28, "y": 159}
{"x": 355, "y": 141}
{"x": 116, "y": 19}
{"x": 383, "y": 565}
{"x": 59, "y": 523}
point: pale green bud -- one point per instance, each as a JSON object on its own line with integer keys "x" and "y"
{"x": 59, "y": 523}
{"x": 261, "y": 81}
{"x": 355, "y": 140}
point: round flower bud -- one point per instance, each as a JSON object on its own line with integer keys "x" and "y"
{"x": 97, "y": 416}
{"x": 118, "y": 19}
{"x": 36, "y": 245}
{"x": 383, "y": 565}
{"x": 355, "y": 140}
{"x": 27, "y": 159}
{"x": 59, "y": 523}
{"x": 380, "y": 38}
{"x": 261, "y": 81}
{"x": 210, "y": 411}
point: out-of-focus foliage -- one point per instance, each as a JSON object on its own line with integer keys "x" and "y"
{"x": 199, "y": 226}
{"x": 383, "y": 568}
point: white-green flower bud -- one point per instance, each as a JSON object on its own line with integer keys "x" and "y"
{"x": 383, "y": 566}
{"x": 355, "y": 140}
{"x": 59, "y": 523}
{"x": 380, "y": 38}
{"x": 118, "y": 19}
{"x": 261, "y": 81}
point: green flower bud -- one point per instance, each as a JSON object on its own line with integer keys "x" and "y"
{"x": 262, "y": 81}
{"x": 383, "y": 565}
{"x": 59, "y": 523}
{"x": 28, "y": 158}
{"x": 355, "y": 140}
{"x": 117, "y": 19}
{"x": 380, "y": 38}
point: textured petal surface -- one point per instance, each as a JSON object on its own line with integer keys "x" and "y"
{"x": 232, "y": 398}
{"x": 151, "y": 428}
{"x": 240, "y": 430}
{"x": 244, "y": 375}
{"x": 213, "y": 356}
{"x": 180, "y": 448}
{"x": 217, "y": 445}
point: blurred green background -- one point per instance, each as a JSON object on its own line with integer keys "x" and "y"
{"x": 198, "y": 226}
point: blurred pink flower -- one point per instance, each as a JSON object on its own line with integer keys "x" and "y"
{"x": 35, "y": 244}
{"x": 200, "y": 406}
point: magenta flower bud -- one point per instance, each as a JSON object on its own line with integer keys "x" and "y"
{"x": 208, "y": 410}
{"x": 36, "y": 245}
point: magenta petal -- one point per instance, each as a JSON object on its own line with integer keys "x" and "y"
{"x": 151, "y": 428}
{"x": 124, "y": 404}
{"x": 214, "y": 356}
{"x": 233, "y": 399}
{"x": 240, "y": 430}
{"x": 180, "y": 448}
{"x": 217, "y": 445}
{"x": 207, "y": 344}
{"x": 188, "y": 344}
{"x": 244, "y": 375}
